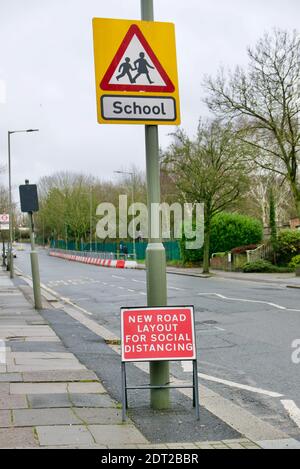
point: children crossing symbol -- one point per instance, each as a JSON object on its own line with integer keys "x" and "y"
{"x": 135, "y": 67}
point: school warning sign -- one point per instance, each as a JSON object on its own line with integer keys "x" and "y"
{"x": 136, "y": 72}
{"x": 165, "y": 333}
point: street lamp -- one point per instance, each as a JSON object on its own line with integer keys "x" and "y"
{"x": 131, "y": 174}
{"x": 10, "y": 255}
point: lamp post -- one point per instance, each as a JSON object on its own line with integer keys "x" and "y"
{"x": 10, "y": 254}
{"x": 131, "y": 174}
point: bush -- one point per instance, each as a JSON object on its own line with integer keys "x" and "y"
{"x": 259, "y": 266}
{"x": 265, "y": 267}
{"x": 288, "y": 245}
{"x": 228, "y": 230}
{"x": 295, "y": 262}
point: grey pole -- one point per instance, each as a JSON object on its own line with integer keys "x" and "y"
{"x": 10, "y": 258}
{"x": 91, "y": 218}
{"x": 155, "y": 253}
{"x": 36, "y": 283}
{"x": 10, "y": 254}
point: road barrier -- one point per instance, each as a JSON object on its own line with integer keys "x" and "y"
{"x": 93, "y": 259}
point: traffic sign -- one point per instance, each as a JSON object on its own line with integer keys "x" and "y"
{"x": 4, "y": 218}
{"x": 29, "y": 198}
{"x": 136, "y": 72}
{"x": 164, "y": 333}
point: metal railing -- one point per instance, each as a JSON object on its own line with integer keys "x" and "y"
{"x": 264, "y": 251}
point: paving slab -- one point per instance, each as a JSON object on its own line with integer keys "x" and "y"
{"x": 11, "y": 377}
{"x": 41, "y": 417}
{"x": 86, "y": 388}
{"x": 17, "y": 438}
{"x": 13, "y": 402}
{"x": 54, "y": 388}
{"x": 4, "y": 388}
{"x": 38, "y": 388}
{"x": 64, "y": 435}
{"x": 45, "y": 401}
{"x": 116, "y": 434}
{"x": 36, "y": 346}
{"x": 46, "y": 361}
{"x": 42, "y": 339}
{"x": 66, "y": 375}
{"x": 285, "y": 443}
{"x": 104, "y": 416}
{"x": 5, "y": 418}
{"x": 50, "y": 365}
{"x": 21, "y": 356}
{"x": 91, "y": 400}
{"x": 26, "y": 331}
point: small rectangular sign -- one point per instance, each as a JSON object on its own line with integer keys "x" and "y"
{"x": 164, "y": 333}
{"x": 138, "y": 108}
{"x": 4, "y": 218}
{"x": 4, "y": 226}
{"x": 29, "y": 198}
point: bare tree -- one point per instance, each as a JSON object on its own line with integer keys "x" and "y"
{"x": 256, "y": 200}
{"x": 264, "y": 101}
{"x": 210, "y": 169}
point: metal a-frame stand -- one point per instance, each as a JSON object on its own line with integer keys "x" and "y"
{"x": 194, "y": 386}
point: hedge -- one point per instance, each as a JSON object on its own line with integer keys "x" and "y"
{"x": 228, "y": 230}
{"x": 288, "y": 246}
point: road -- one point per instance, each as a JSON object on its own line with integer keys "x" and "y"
{"x": 245, "y": 330}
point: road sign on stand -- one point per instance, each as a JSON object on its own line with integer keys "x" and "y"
{"x": 158, "y": 334}
{"x": 165, "y": 333}
{"x": 136, "y": 72}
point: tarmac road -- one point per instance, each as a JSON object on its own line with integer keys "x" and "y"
{"x": 245, "y": 330}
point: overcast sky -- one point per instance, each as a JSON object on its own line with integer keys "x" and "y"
{"x": 47, "y": 65}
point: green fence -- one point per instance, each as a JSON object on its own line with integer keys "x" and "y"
{"x": 172, "y": 248}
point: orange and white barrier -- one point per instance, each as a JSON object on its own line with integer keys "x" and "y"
{"x": 118, "y": 264}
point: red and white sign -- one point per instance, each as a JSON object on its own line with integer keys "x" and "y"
{"x": 127, "y": 74}
{"x": 4, "y": 218}
{"x": 165, "y": 333}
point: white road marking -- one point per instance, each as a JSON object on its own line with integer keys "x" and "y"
{"x": 176, "y": 288}
{"x": 138, "y": 281}
{"x": 223, "y": 297}
{"x": 118, "y": 276}
{"x": 132, "y": 291}
{"x": 292, "y": 410}
{"x": 187, "y": 367}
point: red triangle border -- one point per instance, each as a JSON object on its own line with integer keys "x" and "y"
{"x": 105, "y": 85}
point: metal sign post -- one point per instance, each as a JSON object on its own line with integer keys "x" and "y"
{"x": 137, "y": 83}
{"x": 155, "y": 253}
{"x": 29, "y": 204}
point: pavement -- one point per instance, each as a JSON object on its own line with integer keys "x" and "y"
{"x": 249, "y": 385}
{"x": 49, "y": 399}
